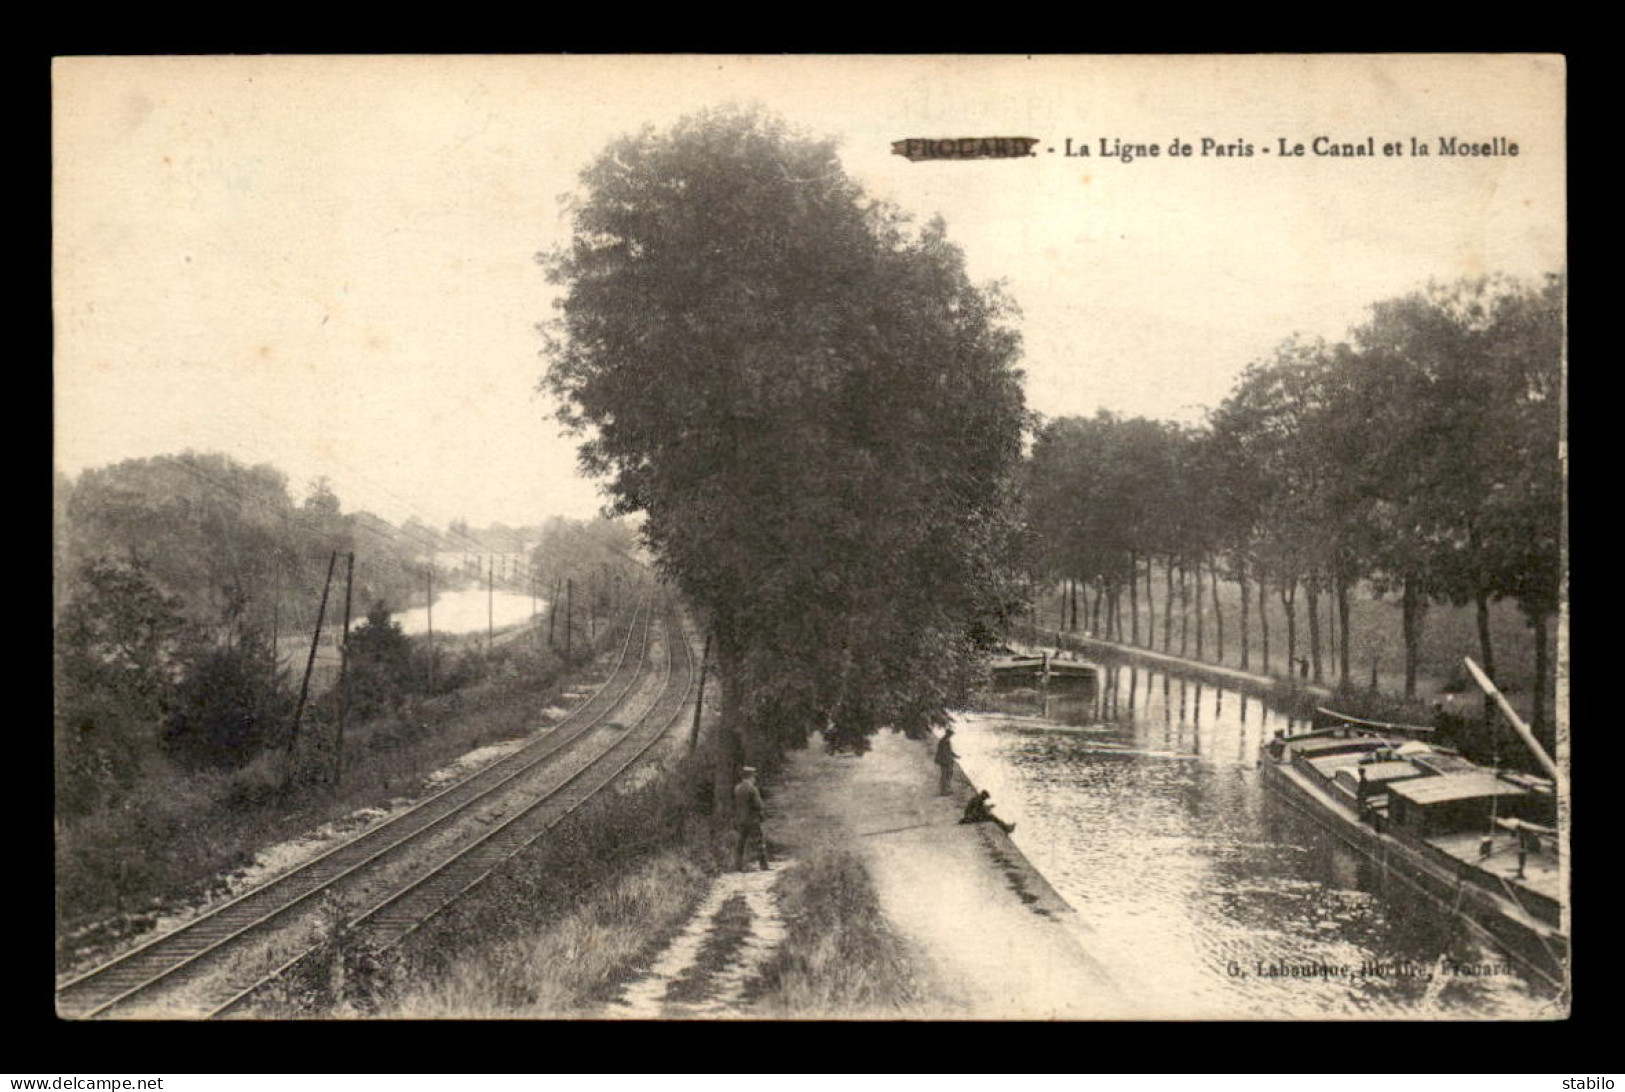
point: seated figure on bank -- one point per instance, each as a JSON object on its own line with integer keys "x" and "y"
{"x": 980, "y": 810}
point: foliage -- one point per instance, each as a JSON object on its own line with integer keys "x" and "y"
{"x": 1422, "y": 459}
{"x": 815, "y": 409}
{"x": 380, "y": 669}
{"x": 228, "y": 541}
{"x": 117, "y": 646}
{"x": 231, "y": 704}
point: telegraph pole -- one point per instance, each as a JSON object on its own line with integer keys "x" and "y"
{"x": 431, "y": 623}
{"x": 310, "y": 662}
{"x": 490, "y": 599}
{"x": 344, "y": 669}
{"x": 552, "y": 613}
{"x": 569, "y": 613}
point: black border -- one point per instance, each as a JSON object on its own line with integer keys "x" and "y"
{"x": 41, "y": 1043}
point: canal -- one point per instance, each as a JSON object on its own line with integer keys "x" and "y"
{"x": 1204, "y": 897}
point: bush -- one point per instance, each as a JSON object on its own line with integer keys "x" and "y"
{"x": 381, "y": 669}
{"x": 229, "y": 707}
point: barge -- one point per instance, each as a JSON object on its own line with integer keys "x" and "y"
{"x": 1019, "y": 669}
{"x": 1477, "y": 844}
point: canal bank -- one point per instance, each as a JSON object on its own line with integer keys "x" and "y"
{"x": 991, "y": 938}
{"x": 1243, "y": 681}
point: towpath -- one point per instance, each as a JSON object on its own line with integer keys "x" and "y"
{"x": 993, "y": 940}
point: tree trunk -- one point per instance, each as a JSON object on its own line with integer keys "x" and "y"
{"x": 1313, "y": 589}
{"x": 1073, "y": 587}
{"x": 1218, "y": 613}
{"x": 1411, "y": 621}
{"x": 1198, "y": 607}
{"x": 729, "y": 754}
{"x": 1246, "y": 635}
{"x": 1184, "y": 607}
{"x": 1331, "y": 632}
{"x": 1343, "y": 630}
{"x": 1263, "y": 624}
{"x": 1537, "y": 721}
{"x": 1168, "y": 604}
{"x": 699, "y": 701}
{"x": 1288, "y": 594}
{"x": 1150, "y": 605}
{"x": 1134, "y": 597}
{"x": 1094, "y": 614}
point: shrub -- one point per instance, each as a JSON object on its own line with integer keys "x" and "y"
{"x": 229, "y": 707}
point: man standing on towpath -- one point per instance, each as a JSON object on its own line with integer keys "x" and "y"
{"x": 945, "y": 761}
{"x": 748, "y": 811}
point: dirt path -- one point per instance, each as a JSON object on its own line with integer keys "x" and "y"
{"x": 703, "y": 973}
{"x": 994, "y": 939}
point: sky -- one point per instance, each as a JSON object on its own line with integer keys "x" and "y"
{"x": 328, "y": 264}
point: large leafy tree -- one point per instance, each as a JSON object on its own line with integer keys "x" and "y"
{"x": 118, "y": 644}
{"x": 814, "y": 407}
{"x": 1460, "y": 382}
{"x": 1463, "y": 379}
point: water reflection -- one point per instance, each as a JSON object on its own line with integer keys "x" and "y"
{"x": 470, "y": 611}
{"x": 1140, "y": 800}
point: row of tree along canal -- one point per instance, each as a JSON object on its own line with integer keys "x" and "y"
{"x": 1419, "y": 461}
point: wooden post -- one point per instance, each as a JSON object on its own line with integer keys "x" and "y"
{"x": 569, "y": 613}
{"x": 699, "y": 701}
{"x": 344, "y": 669}
{"x": 310, "y": 662}
{"x": 490, "y": 600}
{"x": 431, "y": 623}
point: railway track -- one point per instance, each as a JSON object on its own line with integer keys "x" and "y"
{"x": 406, "y": 869}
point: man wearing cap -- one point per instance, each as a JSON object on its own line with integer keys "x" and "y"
{"x": 748, "y": 811}
{"x": 945, "y": 761}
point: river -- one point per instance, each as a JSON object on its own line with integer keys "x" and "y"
{"x": 1145, "y": 809}
{"x": 469, "y": 611}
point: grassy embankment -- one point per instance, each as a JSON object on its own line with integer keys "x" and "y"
{"x": 562, "y": 935}
{"x": 566, "y": 927}
{"x": 175, "y": 835}
{"x": 840, "y": 957}
{"x": 553, "y": 933}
